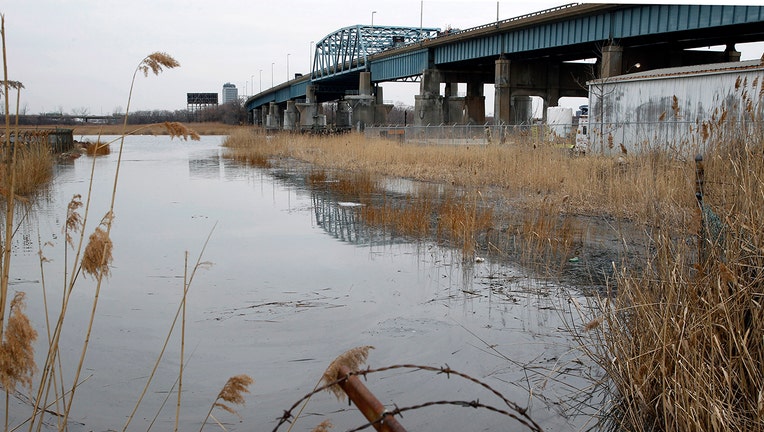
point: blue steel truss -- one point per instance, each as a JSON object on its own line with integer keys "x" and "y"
{"x": 347, "y": 49}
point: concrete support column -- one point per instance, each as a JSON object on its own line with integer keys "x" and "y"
{"x": 264, "y": 115}
{"x": 381, "y": 108}
{"x": 343, "y": 118}
{"x": 362, "y": 106}
{"x": 612, "y": 61}
{"x": 552, "y": 88}
{"x": 731, "y": 54}
{"x": 428, "y": 104}
{"x": 274, "y": 117}
{"x": 522, "y": 110}
{"x": 364, "y": 84}
{"x": 475, "y": 103}
{"x": 310, "y": 116}
{"x": 454, "y": 106}
{"x": 291, "y": 116}
{"x": 502, "y": 105}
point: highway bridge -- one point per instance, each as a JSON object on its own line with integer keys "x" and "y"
{"x": 538, "y": 54}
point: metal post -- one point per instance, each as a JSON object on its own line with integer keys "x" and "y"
{"x": 367, "y": 403}
{"x": 310, "y": 58}
{"x": 261, "y": 80}
{"x": 272, "y": 74}
{"x": 288, "y": 67}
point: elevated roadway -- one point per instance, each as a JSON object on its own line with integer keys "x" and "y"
{"x": 536, "y": 54}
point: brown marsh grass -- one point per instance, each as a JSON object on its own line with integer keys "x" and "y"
{"x": 635, "y": 187}
{"x": 97, "y": 148}
{"x": 206, "y": 128}
{"x": 33, "y": 169}
{"x": 681, "y": 340}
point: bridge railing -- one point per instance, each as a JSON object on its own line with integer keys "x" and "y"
{"x": 517, "y": 18}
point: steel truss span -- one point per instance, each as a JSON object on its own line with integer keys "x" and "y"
{"x": 348, "y": 49}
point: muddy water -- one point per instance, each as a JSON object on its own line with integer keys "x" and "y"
{"x": 291, "y": 281}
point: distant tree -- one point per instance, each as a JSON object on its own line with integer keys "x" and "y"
{"x": 81, "y": 112}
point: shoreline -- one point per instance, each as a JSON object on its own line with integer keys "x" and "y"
{"x": 202, "y": 128}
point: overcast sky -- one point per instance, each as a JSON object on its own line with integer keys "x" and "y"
{"x": 80, "y": 54}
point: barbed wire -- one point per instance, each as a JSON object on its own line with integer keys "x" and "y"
{"x": 515, "y": 411}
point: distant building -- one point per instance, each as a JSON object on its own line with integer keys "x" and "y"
{"x": 230, "y": 93}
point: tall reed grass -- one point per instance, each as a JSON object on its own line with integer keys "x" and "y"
{"x": 643, "y": 189}
{"x": 682, "y": 340}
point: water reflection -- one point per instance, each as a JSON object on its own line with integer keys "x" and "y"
{"x": 283, "y": 297}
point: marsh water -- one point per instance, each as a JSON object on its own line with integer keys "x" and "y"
{"x": 289, "y": 282}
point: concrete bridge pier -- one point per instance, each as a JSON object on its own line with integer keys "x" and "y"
{"x": 502, "y": 104}
{"x": 454, "y": 106}
{"x": 291, "y": 117}
{"x": 381, "y": 109}
{"x": 311, "y": 117}
{"x": 343, "y": 117}
{"x": 612, "y": 61}
{"x": 367, "y": 109}
{"x": 474, "y": 103}
{"x": 428, "y": 104}
{"x": 273, "y": 121}
{"x": 522, "y": 110}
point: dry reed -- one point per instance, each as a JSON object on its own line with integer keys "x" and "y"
{"x": 96, "y": 148}
{"x": 324, "y": 426}
{"x": 97, "y": 257}
{"x": 33, "y": 170}
{"x": 17, "y": 364}
{"x": 681, "y": 340}
{"x": 592, "y": 185}
{"x": 231, "y": 393}
{"x": 352, "y": 359}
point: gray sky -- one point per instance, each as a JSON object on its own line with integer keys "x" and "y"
{"x": 80, "y": 54}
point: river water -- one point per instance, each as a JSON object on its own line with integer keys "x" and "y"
{"x": 286, "y": 287}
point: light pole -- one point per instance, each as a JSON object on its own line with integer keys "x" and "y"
{"x": 310, "y": 58}
{"x": 288, "y": 67}
{"x": 261, "y": 80}
{"x": 372, "y": 19}
{"x": 272, "y": 73}
{"x": 252, "y": 82}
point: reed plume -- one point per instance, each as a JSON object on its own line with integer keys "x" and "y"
{"x": 97, "y": 256}
{"x": 324, "y": 426}
{"x": 17, "y": 365}
{"x": 156, "y": 62}
{"x": 232, "y": 393}
{"x": 179, "y": 130}
{"x": 352, "y": 359}
{"x": 73, "y": 218}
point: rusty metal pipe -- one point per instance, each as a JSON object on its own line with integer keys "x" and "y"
{"x": 367, "y": 403}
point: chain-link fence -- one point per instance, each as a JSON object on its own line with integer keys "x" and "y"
{"x": 470, "y": 134}
{"x": 679, "y": 137}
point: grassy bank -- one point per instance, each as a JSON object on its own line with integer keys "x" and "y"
{"x": 644, "y": 189}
